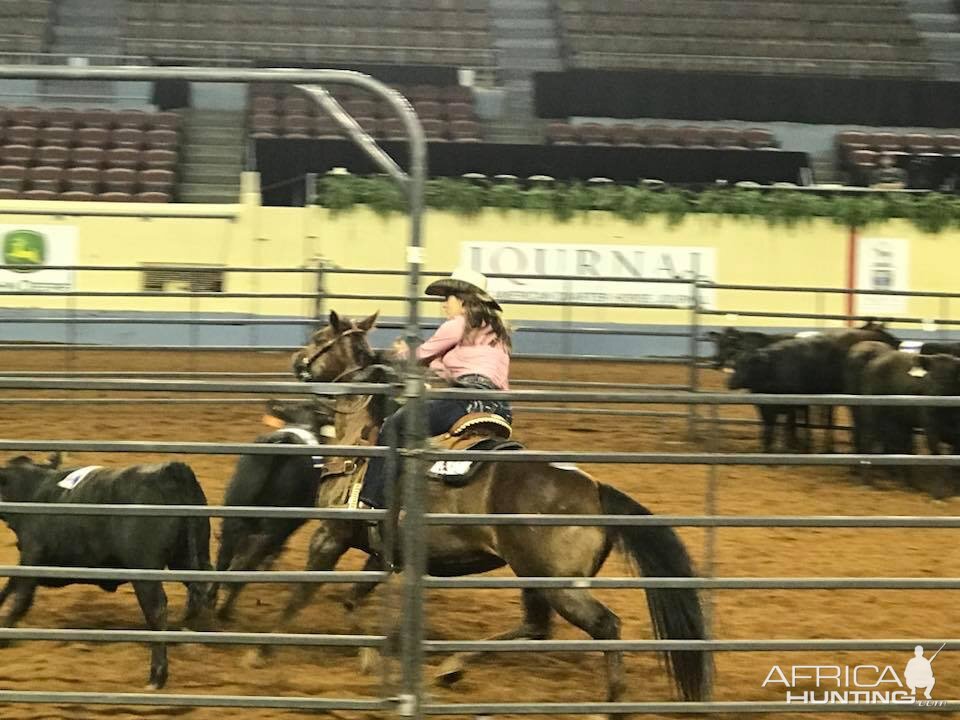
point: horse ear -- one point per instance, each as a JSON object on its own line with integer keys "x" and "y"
{"x": 367, "y": 323}
{"x": 334, "y": 320}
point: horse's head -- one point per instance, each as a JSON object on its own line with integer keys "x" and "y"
{"x": 336, "y": 351}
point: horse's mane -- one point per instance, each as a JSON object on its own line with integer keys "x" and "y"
{"x": 380, "y": 406}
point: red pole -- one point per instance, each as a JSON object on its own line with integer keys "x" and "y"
{"x": 851, "y": 272}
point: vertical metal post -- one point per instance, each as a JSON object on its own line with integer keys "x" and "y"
{"x": 818, "y": 309}
{"x": 320, "y": 293}
{"x": 71, "y": 332}
{"x": 710, "y": 510}
{"x": 694, "y": 346}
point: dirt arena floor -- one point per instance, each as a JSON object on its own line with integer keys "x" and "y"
{"x": 320, "y": 672}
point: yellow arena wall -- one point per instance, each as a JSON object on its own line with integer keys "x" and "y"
{"x": 746, "y": 252}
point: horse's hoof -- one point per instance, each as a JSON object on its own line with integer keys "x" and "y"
{"x": 450, "y": 672}
{"x": 369, "y": 660}
{"x": 254, "y": 659}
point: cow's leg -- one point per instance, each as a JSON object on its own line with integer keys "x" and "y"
{"x": 153, "y": 603}
{"x": 254, "y": 554}
{"x": 790, "y": 438}
{"x": 829, "y": 445}
{"x": 328, "y": 544}
{"x": 22, "y": 590}
{"x": 5, "y": 592}
{"x": 768, "y": 416}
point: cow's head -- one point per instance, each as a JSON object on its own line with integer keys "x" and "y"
{"x": 21, "y": 473}
{"x": 336, "y": 351}
{"x": 727, "y": 345}
{"x": 752, "y": 371}
{"x": 941, "y": 374}
{"x": 316, "y": 414}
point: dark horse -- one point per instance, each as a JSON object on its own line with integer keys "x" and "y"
{"x": 339, "y": 350}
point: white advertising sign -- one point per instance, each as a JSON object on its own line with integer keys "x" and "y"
{"x": 882, "y": 264}
{"x": 587, "y": 261}
{"x": 28, "y": 246}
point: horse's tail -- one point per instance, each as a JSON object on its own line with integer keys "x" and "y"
{"x": 676, "y": 614}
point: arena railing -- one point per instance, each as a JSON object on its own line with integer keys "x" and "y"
{"x": 707, "y": 583}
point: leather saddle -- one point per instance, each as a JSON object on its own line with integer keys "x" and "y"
{"x": 475, "y": 431}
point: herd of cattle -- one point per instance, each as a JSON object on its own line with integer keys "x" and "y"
{"x": 864, "y": 361}
{"x": 867, "y": 360}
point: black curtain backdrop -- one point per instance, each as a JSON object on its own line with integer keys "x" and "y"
{"x": 755, "y": 98}
{"x": 284, "y": 163}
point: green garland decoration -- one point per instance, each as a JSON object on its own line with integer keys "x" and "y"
{"x": 929, "y": 212}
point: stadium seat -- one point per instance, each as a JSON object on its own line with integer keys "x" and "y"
{"x": 159, "y": 159}
{"x": 13, "y": 177}
{"x": 126, "y": 137}
{"x": 38, "y": 194}
{"x": 53, "y": 156}
{"x": 88, "y": 156}
{"x": 592, "y": 134}
{"x": 83, "y": 179}
{"x": 136, "y": 119}
{"x": 78, "y": 195}
{"x": 161, "y": 139}
{"x": 152, "y": 197}
{"x": 160, "y": 181}
{"x": 123, "y": 157}
{"x": 465, "y": 131}
{"x": 560, "y": 133}
{"x": 45, "y": 178}
{"x": 16, "y": 154}
{"x": 56, "y": 135}
{"x": 115, "y": 196}
{"x": 297, "y": 126}
{"x": 625, "y": 134}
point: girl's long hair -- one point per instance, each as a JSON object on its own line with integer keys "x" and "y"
{"x": 478, "y": 313}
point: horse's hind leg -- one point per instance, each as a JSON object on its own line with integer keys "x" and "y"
{"x": 537, "y": 616}
{"x": 580, "y": 608}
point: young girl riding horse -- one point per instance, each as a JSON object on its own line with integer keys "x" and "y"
{"x": 471, "y": 349}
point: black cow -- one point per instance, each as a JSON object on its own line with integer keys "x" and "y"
{"x": 731, "y": 343}
{"x": 119, "y": 541}
{"x": 936, "y": 347}
{"x": 942, "y": 424}
{"x": 247, "y": 543}
{"x": 858, "y": 358}
{"x": 800, "y": 366}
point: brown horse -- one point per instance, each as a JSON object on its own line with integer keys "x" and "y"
{"x": 340, "y": 351}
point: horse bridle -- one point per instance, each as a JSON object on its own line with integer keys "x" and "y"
{"x": 304, "y": 370}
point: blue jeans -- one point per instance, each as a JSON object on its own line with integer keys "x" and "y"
{"x": 441, "y": 415}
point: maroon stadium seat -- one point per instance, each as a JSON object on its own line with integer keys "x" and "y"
{"x": 428, "y": 109}
{"x": 326, "y": 127}
{"x": 22, "y": 134}
{"x": 156, "y": 181}
{"x": 758, "y": 138}
{"x": 159, "y": 159}
{"x": 264, "y": 125}
{"x": 727, "y": 138}
{"x": 435, "y": 130}
{"x": 45, "y": 178}
{"x": 693, "y": 136}
{"x": 123, "y": 157}
{"x": 152, "y": 197}
{"x": 361, "y": 107}
{"x": 851, "y": 140}
{"x": 83, "y": 179}
{"x": 465, "y": 131}
{"x": 96, "y": 118}
{"x": 164, "y": 121}
{"x": 458, "y": 111}
{"x": 93, "y": 137}
{"x": 919, "y": 143}
{"x": 161, "y": 139}
{"x": 456, "y": 94}
{"x": 26, "y": 115}
{"x": 560, "y": 133}
{"x": 625, "y": 134}
{"x": 61, "y": 117}
{"x": 88, "y": 156}
{"x": 8, "y": 194}
{"x": 263, "y": 105}
{"x": 297, "y": 126}
{"x": 119, "y": 180}
{"x": 16, "y": 154}
{"x": 38, "y": 194}
{"x": 948, "y": 144}
{"x": 13, "y": 177}
{"x": 592, "y": 133}
{"x": 392, "y": 129}
{"x": 885, "y": 141}
{"x": 78, "y": 195}
{"x": 297, "y": 105}
{"x": 53, "y": 156}
{"x": 57, "y": 135}
{"x": 136, "y": 119}
{"x": 127, "y": 138}
{"x": 115, "y": 196}
{"x": 659, "y": 135}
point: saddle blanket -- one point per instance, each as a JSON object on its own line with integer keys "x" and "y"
{"x": 910, "y": 346}
{"x": 77, "y": 476}
{"x": 442, "y": 468}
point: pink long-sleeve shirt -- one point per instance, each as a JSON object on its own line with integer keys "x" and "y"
{"x": 455, "y": 350}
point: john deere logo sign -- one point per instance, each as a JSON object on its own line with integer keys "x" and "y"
{"x": 26, "y": 248}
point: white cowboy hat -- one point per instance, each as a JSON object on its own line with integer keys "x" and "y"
{"x": 463, "y": 280}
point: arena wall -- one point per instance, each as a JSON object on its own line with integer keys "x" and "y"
{"x": 745, "y": 251}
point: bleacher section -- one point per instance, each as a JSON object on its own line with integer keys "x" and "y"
{"x": 446, "y": 114}
{"x": 24, "y": 26}
{"x": 858, "y": 152}
{"x": 62, "y": 153}
{"x": 662, "y": 136}
{"x": 306, "y": 31}
{"x": 780, "y": 36}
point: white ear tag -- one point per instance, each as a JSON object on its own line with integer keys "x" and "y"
{"x": 729, "y": 370}
{"x": 328, "y": 431}
{"x": 917, "y": 371}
